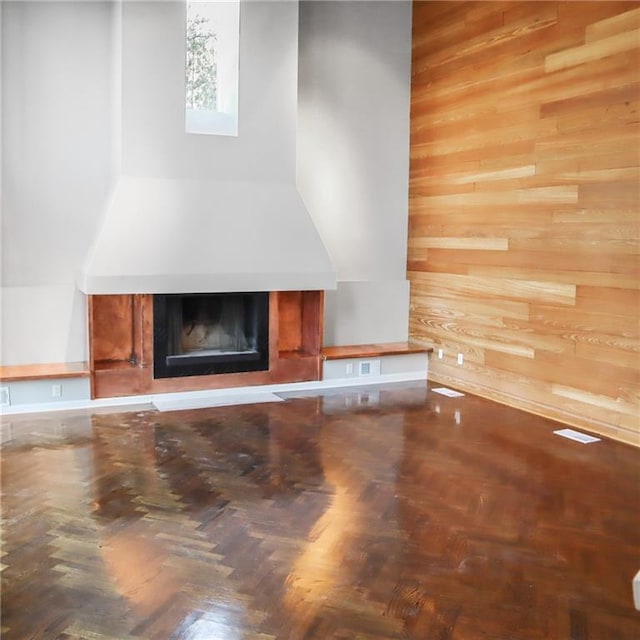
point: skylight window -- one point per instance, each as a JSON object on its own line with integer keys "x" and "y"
{"x": 211, "y": 69}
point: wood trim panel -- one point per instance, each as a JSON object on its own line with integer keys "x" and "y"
{"x": 112, "y": 328}
{"x": 312, "y": 321}
{"x": 523, "y": 249}
{"x": 23, "y": 372}
{"x": 143, "y": 330}
{"x": 128, "y": 320}
{"x": 290, "y": 320}
{"x": 274, "y": 330}
{"x": 373, "y": 350}
{"x": 301, "y": 315}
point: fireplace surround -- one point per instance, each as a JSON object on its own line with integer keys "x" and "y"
{"x": 122, "y": 333}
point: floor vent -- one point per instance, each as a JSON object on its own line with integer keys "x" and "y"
{"x": 576, "y": 435}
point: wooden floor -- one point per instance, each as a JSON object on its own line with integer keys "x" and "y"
{"x": 379, "y": 513}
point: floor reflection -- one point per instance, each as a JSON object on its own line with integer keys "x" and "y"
{"x": 341, "y": 557}
{"x": 175, "y": 481}
{"x": 380, "y": 513}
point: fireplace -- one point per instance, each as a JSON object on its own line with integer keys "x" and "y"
{"x": 131, "y": 340}
{"x": 210, "y": 333}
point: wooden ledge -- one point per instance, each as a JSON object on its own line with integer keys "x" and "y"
{"x": 373, "y": 350}
{"x": 22, "y": 372}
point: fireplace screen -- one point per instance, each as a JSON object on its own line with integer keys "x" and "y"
{"x": 201, "y": 334}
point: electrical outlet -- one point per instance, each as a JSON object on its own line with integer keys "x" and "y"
{"x": 440, "y": 354}
{"x": 56, "y": 390}
{"x": 5, "y": 399}
{"x": 460, "y": 359}
{"x": 349, "y": 368}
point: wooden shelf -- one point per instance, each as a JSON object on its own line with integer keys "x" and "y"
{"x": 19, "y": 373}
{"x": 373, "y": 350}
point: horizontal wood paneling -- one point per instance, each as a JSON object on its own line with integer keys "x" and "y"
{"x": 524, "y": 204}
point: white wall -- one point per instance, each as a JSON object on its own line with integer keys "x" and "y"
{"x": 60, "y": 148}
{"x": 197, "y": 213}
{"x": 154, "y": 142}
{"x": 353, "y": 158}
{"x": 56, "y": 132}
{"x": 92, "y": 88}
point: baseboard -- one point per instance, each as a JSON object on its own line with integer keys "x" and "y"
{"x": 146, "y": 401}
{"x": 540, "y": 409}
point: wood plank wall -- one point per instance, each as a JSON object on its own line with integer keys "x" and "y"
{"x": 524, "y": 198}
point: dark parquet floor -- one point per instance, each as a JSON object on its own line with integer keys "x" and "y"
{"x": 381, "y": 513}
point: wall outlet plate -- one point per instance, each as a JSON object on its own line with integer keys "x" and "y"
{"x": 5, "y": 398}
{"x": 460, "y": 359}
{"x": 369, "y": 368}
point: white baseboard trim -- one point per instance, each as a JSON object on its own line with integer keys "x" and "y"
{"x": 146, "y": 401}
{"x": 255, "y": 397}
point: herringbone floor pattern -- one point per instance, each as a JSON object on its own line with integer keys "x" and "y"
{"x": 387, "y": 513}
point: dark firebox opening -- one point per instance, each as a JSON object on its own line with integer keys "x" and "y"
{"x": 209, "y": 333}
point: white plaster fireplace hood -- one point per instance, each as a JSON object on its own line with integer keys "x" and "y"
{"x": 204, "y": 213}
{"x": 163, "y": 235}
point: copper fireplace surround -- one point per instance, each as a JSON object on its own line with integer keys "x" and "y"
{"x": 121, "y": 346}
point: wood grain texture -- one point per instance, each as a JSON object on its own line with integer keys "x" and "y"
{"x": 120, "y": 344}
{"x": 121, "y": 325}
{"x": 290, "y": 319}
{"x": 312, "y": 322}
{"x": 16, "y": 373}
{"x": 112, "y": 327}
{"x": 523, "y": 249}
{"x": 373, "y": 350}
{"x": 349, "y": 515}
